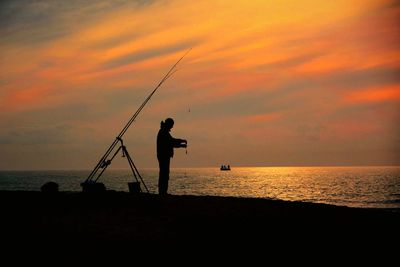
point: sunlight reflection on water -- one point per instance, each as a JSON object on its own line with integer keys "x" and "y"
{"x": 377, "y": 187}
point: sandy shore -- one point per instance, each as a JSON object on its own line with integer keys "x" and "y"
{"x": 121, "y": 220}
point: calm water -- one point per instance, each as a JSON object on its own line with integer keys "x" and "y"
{"x": 373, "y": 187}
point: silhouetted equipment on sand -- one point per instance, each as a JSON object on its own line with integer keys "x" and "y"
{"x": 49, "y": 187}
{"x": 91, "y": 184}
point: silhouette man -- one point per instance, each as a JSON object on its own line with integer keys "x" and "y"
{"x": 165, "y": 151}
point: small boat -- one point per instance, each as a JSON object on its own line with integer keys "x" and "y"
{"x": 225, "y": 168}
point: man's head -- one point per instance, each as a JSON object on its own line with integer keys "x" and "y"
{"x": 169, "y": 123}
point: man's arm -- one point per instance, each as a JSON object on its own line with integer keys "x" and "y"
{"x": 176, "y": 142}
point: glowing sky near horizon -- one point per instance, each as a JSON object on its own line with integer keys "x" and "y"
{"x": 267, "y": 83}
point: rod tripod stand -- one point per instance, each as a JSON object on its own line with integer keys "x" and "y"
{"x": 125, "y": 154}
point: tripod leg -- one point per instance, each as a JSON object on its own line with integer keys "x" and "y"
{"x": 134, "y": 169}
{"x": 130, "y": 163}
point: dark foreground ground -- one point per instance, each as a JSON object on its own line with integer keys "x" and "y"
{"x": 121, "y": 221}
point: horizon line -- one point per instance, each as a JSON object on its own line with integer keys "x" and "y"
{"x": 216, "y": 167}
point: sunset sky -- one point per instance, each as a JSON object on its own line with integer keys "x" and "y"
{"x": 267, "y": 83}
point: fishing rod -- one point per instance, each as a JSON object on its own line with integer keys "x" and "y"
{"x": 103, "y": 162}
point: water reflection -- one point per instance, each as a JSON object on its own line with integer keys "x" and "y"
{"x": 350, "y": 186}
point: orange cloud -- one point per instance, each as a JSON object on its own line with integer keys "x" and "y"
{"x": 23, "y": 99}
{"x": 380, "y": 94}
{"x": 264, "y": 117}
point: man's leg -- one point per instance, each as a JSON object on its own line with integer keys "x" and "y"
{"x": 163, "y": 176}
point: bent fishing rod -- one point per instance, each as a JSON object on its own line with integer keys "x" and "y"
{"x": 103, "y": 162}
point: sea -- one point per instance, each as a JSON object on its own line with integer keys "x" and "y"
{"x": 364, "y": 187}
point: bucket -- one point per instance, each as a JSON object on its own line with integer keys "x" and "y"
{"x": 134, "y": 187}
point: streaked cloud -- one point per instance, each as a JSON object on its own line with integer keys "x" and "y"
{"x": 146, "y": 54}
{"x": 381, "y": 94}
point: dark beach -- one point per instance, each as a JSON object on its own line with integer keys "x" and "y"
{"x": 112, "y": 220}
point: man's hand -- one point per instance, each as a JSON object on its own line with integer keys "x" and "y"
{"x": 184, "y": 143}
